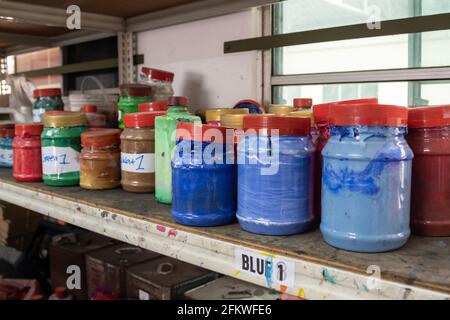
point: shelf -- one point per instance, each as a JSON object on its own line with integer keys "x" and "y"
{"x": 314, "y": 270}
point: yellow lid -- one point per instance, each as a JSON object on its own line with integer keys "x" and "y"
{"x": 63, "y": 119}
{"x": 307, "y": 113}
{"x": 234, "y": 121}
{"x": 215, "y": 114}
{"x": 280, "y": 110}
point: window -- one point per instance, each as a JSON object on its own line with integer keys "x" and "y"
{"x": 359, "y": 58}
{"x": 4, "y": 88}
{"x": 41, "y": 59}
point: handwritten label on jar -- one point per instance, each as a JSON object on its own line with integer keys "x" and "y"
{"x": 138, "y": 162}
{"x": 6, "y": 157}
{"x": 59, "y": 160}
{"x": 37, "y": 115}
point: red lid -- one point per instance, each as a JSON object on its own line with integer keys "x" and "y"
{"x": 135, "y": 90}
{"x": 141, "y": 119}
{"x": 178, "y": 101}
{"x": 302, "y": 103}
{"x": 100, "y": 138}
{"x": 201, "y": 133}
{"x": 89, "y": 108}
{"x": 51, "y": 92}
{"x": 60, "y": 292}
{"x": 322, "y": 111}
{"x": 153, "y": 106}
{"x": 287, "y": 126}
{"x": 58, "y": 112}
{"x": 28, "y": 129}
{"x": 7, "y": 130}
{"x": 155, "y": 74}
{"x": 368, "y": 115}
{"x": 429, "y": 117}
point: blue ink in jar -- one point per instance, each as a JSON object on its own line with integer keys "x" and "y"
{"x": 6, "y": 145}
{"x": 275, "y": 175}
{"x": 203, "y": 176}
{"x": 366, "y": 179}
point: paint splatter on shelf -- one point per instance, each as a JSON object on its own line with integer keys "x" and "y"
{"x": 328, "y": 277}
{"x": 161, "y": 228}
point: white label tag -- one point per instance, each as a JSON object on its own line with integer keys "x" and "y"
{"x": 59, "y": 160}
{"x": 143, "y": 295}
{"x": 37, "y": 115}
{"x": 267, "y": 266}
{"x": 138, "y": 162}
{"x": 6, "y": 156}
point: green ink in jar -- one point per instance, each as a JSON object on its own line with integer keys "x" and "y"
{"x": 46, "y": 100}
{"x": 61, "y": 147}
{"x": 131, "y": 95}
{"x": 165, "y": 127}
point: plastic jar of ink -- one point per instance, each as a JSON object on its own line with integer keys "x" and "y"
{"x": 138, "y": 152}
{"x": 100, "y": 159}
{"x": 429, "y": 138}
{"x": 93, "y": 118}
{"x": 46, "y": 100}
{"x": 160, "y": 82}
{"x": 61, "y": 147}
{"x": 153, "y": 106}
{"x": 165, "y": 128}
{"x": 6, "y": 145}
{"x": 131, "y": 95}
{"x": 321, "y": 134}
{"x": 203, "y": 176}
{"x": 366, "y": 181}
{"x": 27, "y": 152}
{"x": 275, "y": 175}
{"x": 212, "y": 116}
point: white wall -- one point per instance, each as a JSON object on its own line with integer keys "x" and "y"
{"x": 194, "y": 51}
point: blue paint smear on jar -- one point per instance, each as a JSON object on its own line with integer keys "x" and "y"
{"x": 204, "y": 194}
{"x": 366, "y": 188}
{"x": 280, "y": 201}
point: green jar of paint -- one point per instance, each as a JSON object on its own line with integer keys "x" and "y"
{"x": 61, "y": 146}
{"x": 165, "y": 143}
{"x": 131, "y": 95}
{"x": 46, "y": 100}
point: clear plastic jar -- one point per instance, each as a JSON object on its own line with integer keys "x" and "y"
{"x": 160, "y": 81}
{"x": 275, "y": 175}
{"x": 366, "y": 182}
{"x": 61, "y": 147}
{"x": 429, "y": 138}
{"x": 46, "y": 100}
{"x": 100, "y": 159}
{"x": 138, "y": 152}
{"x": 27, "y": 152}
{"x": 6, "y": 145}
{"x": 204, "y": 177}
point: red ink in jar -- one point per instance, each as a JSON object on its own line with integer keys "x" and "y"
{"x": 27, "y": 164}
{"x": 429, "y": 138}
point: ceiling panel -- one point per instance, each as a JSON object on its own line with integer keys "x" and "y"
{"x": 119, "y": 8}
